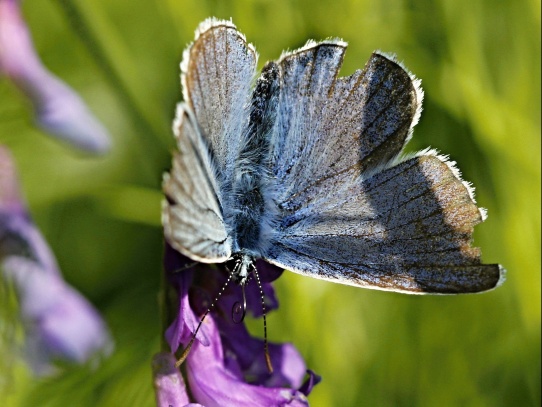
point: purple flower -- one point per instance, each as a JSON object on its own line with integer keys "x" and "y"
{"x": 59, "y": 110}
{"x": 226, "y": 366}
{"x": 169, "y": 385}
{"x": 59, "y": 323}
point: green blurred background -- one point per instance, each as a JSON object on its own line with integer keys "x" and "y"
{"x": 479, "y": 61}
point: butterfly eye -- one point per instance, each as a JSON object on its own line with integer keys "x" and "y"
{"x": 232, "y": 264}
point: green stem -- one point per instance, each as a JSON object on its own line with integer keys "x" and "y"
{"x": 166, "y": 315}
{"x": 150, "y": 139}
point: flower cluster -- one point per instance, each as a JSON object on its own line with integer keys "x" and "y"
{"x": 58, "y": 109}
{"x": 226, "y": 366}
{"x": 59, "y": 323}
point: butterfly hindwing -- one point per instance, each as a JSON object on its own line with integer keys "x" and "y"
{"x": 407, "y": 228}
{"x": 192, "y": 214}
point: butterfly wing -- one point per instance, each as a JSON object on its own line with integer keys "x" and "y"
{"x": 216, "y": 73}
{"x": 191, "y": 214}
{"x": 342, "y": 206}
{"x": 327, "y": 125}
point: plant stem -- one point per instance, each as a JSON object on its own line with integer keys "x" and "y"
{"x": 150, "y": 138}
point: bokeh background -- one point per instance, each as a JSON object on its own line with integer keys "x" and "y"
{"x": 479, "y": 61}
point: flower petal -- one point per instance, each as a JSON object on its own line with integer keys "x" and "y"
{"x": 169, "y": 386}
{"x": 59, "y": 322}
{"x": 268, "y": 272}
{"x": 17, "y": 233}
{"x": 309, "y": 384}
{"x": 59, "y": 110}
{"x": 186, "y": 322}
{"x": 288, "y": 365}
{"x": 212, "y": 384}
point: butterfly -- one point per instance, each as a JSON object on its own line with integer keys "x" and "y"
{"x": 304, "y": 169}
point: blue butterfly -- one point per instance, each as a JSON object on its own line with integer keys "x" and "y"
{"x": 304, "y": 169}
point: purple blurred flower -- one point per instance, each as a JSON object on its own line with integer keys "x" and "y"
{"x": 226, "y": 366}
{"x": 59, "y": 110}
{"x": 59, "y": 323}
{"x": 169, "y": 385}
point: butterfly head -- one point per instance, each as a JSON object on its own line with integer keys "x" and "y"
{"x": 240, "y": 265}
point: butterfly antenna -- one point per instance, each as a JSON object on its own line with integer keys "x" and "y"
{"x": 265, "y": 343}
{"x": 186, "y": 350}
{"x": 186, "y": 267}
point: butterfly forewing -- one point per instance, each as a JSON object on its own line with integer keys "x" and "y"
{"x": 217, "y": 73}
{"x": 328, "y": 125}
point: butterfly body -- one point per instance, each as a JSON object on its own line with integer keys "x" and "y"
{"x": 304, "y": 169}
{"x": 245, "y": 207}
